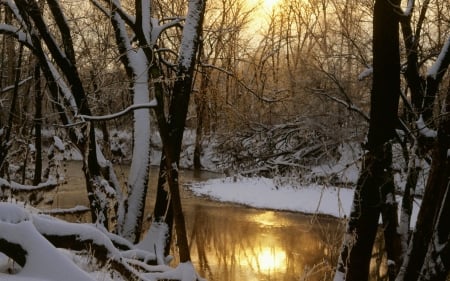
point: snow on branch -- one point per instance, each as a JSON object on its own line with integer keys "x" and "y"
{"x": 441, "y": 61}
{"x": 409, "y": 8}
{"x": 158, "y": 29}
{"x": 32, "y": 240}
{"x": 365, "y": 73}
{"x": 63, "y": 88}
{"x": 8, "y": 88}
{"x": 17, "y": 33}
{"x": 151, "y": 104}
{"x": 424, "y": 130}
{"x": 29, "y": 193}
{"x": 191, "y": 33}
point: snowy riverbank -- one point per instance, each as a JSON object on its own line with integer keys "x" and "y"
{"x": 268, "y": 194}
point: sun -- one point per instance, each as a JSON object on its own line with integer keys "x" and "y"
{"x": 264, "y": 5}
{"x": 269, "y": 4}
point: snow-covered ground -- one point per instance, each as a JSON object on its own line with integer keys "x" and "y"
{"x": 269, "y": 194}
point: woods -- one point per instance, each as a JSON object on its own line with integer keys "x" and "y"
{"x": 276, "y": 98}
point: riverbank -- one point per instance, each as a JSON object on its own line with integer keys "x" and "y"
{"x": 264, "y": 193}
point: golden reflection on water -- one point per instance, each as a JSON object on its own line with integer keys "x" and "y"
{"x": 267, "y": 219}
{"x": 230, "y": 242}
{"x": 271, "y": 260}
{"x": 235, "y": 243}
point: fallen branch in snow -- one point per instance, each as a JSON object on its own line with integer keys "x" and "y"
{"x": 32, "y": 240}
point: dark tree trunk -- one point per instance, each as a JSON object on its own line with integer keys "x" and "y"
{"x": 374, "y": 191}
{"x": 171, "y": 131}
{"x": 13, "y": 109}
{"x": 200, "y": 106}
{"x": 433, "y": 214}
{"x": 38, "y": 125}
{"x": 163, "y": 211}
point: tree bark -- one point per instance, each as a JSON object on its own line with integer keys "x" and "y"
{"x": 374, "y": 191}
{"x": 38, "y": 125}
{"x": 431, "y": 220}
{"x": 171, "y": 131}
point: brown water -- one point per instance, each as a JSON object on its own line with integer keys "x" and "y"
{"x": 231, "y": 242}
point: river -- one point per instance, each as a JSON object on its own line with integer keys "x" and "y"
{"x": 231, "y": 242}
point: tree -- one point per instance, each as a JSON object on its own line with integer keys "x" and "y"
{"x": 143, "y": 71}
{"x": 375, "y": 188}
{"x": 374, "y": 192}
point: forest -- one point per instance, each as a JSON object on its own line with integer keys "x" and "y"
{"x": 242, "y": 88}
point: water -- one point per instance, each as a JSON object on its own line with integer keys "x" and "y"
{"x": 232, "y": 242}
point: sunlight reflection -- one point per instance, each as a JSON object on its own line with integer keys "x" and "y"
{"x": 268, "y": 218}
{"x": 272, "y": 260}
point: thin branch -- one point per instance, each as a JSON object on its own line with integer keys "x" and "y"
{"x": 349, "y": 105}
{"x": 8, "y": 88}
{"x": 133, "y": 107}
{"x": 251, "y": 91}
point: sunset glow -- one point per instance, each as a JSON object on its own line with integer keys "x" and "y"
{"x": 269, "y": 4}
{"x": 265, "y": 6}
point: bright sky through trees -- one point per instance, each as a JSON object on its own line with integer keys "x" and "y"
{"x": 266, "y": 6}
{"x": 269, "y": 4}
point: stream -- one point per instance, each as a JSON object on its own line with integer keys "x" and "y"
{"x": 232, "y": 242}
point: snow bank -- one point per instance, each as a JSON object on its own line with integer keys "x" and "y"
{"x": 264, "y": 193}
{"x": 267, "y": 194}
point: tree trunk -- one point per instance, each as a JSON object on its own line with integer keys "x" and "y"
{"x": 38, "y": 125}
{"x": 200, "y": 106}
{"x": 431, "y": 226}
{"x": 171, "y": 131}
{"x": 374, "y": 191}
{"x": 163, "y": 211}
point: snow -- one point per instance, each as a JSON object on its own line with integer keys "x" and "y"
{"x": 145, "y": 8}
{"x": 346, "y": 169}
{"x": 154, "y": 240}
{"x": 59, "y": 144}
{"x": 11, "y": 213}
{"x": 190, "y": 32}
{"x": 184, "y": 272}
{"x": 409, "y": 7}
{"x": 424, "y": 130}
{"x": 138, "y": 175}
{"x": 434, "y": 69}
{"x": 150, "y": 104}
{"x": 365, "y": 73}
{"x": 43, "y": 261}
{"x": 268, "y": 194}
{"x": 22, "y": 36}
